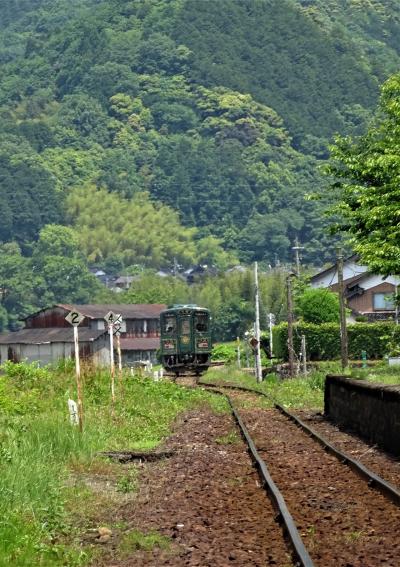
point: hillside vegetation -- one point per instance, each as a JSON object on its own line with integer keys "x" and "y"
{"x": 205, "y": 122}
{"x": 217, "y": 109}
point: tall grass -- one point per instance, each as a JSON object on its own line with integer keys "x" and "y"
{"x": 299, "y": 392}
{"x": 38, "y": 447}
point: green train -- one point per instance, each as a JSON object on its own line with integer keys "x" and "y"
{"x": 186, "y": 339}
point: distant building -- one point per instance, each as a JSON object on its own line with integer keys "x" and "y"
{"x": 47, "y": 336}
{"x": 124, "y": 282}
{"x": 366, "y": 294}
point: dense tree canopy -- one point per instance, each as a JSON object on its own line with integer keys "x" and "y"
{"x": 368, "y": 173}
{"x": 221, "y": 110}
{"x": 182, "y": 129}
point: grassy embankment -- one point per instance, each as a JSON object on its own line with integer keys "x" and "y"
{"x": 46, "y": 506}
{"x": 302, "y": 392}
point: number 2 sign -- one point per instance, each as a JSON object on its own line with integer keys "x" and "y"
{"x": 74, "y": 318}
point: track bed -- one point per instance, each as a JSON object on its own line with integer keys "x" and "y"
{"x": 383, "y": 464}
{"x": 343, "y": 522}
{"x": 208, "y": 499}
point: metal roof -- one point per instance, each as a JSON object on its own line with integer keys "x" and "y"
{"x": 50, "y": 335}
{"x": 140, "y": 344}
{"x": 98, "y": 311}
{"x": 353, "y": 257}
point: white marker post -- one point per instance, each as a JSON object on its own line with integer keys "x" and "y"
{"x": 74, "y": 318}
{"x": 117, "y": 333}
{"x": 112, "y": 319}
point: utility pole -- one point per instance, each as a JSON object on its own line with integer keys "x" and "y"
{"x": 257, "y": 326}
{"x": 290, "y": 325}
{"x": 296, "y": 250}
{"x": 342, "y": 306}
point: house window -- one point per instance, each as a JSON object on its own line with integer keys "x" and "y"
{"x": 384, "y": 301}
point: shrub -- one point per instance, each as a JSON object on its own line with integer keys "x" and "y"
{"x": 318, "y": 306}
{"x": 224, "y": 352}
{"x": 323, "y": 341}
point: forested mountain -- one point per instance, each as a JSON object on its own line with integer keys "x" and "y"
{"x": 221, "y": 111}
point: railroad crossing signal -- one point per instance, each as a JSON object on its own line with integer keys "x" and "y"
{"x": 117, "y": 328}
{"x": 74, "y": 318}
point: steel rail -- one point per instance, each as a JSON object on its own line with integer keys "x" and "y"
{"x": 374, "y": 480}
{"x": 300, "y": 552}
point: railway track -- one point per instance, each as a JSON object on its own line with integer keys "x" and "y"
{"x": 335, "y": 518}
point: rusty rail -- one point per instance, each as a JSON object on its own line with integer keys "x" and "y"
{"x": 300, "y": 552}
{"x": 375, "y": 481}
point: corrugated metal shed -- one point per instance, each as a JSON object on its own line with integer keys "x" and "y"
{"x": 98, "y": 311}
{"x": 50, "y": 335}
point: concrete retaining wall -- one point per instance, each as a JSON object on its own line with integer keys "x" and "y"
{"x": 372, "y": 410}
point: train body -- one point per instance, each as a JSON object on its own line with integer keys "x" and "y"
{"x": 186, "y": 339}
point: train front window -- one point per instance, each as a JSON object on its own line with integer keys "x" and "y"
{"x": 170, "y": 325}
{"x": 185, "y": 326}
{"x": 201, "y": 322}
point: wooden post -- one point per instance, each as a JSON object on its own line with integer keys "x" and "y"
{"x": 304, "y": 354}
{"x": 342, "y": 307}
{"x": 257, "y": 326}
{"x": 119, "y": 356}
{"x": 290, "y": 325}
{"x": 271, "y": 341}
{"x": 78, "y": 378}
{"x": 238, "y": 352}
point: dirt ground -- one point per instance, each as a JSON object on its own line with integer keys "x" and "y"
{"x": 206, "y": 499}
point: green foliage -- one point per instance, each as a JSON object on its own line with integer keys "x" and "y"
{"x": 318, "y": 306}
{"x": 313, "y": 77}
{"x": 41, "y": 453}
{"x": 367, "y": 170}
{"x": 158, "y": 97}
{"x": 18, "y": 284}
{"x": 28, "y": 198}
{"x": 323, "y": 341}
{"x": 109, "y": 226}
{"x": 224, "y": 352}
{"x": 55, "y": 272}
{"x": 189, "y": 129}
{"x": 150, "y": 288}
